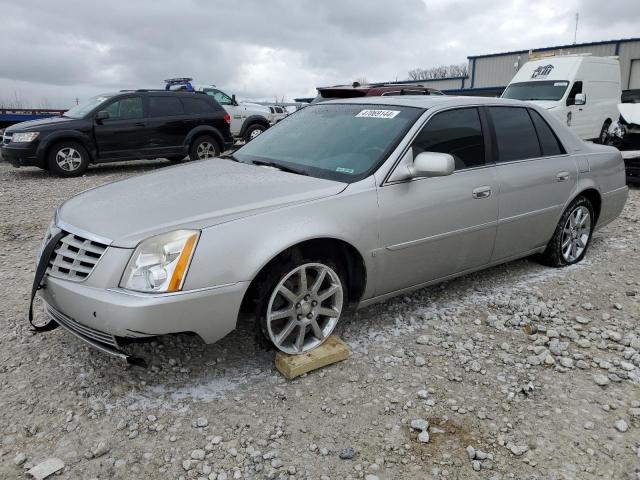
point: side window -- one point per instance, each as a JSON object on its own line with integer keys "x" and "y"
{"x": 195, "y": 105}
{"x": 575, "y": 89}
{"x": 548, "y": 140}
{"x": 165, "y": 107}
{"x": 221, "y": 97}
{"x": 456, "y": 132}
{"x": 126, "y": 109}
{"x": 279, "y": 110}
{"x": 515, "y": 136}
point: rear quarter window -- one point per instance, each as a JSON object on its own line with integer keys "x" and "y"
{"x": 548, "y": 141}
{"x": 165, "y": 106}
{"x": 194, "y": 106}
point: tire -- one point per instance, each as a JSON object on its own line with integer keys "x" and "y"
{"x": 253, "y": 131}
{"x": 204, "y": 147}
{"x": 569, "y": 243}
{"x": 604, "y": 133}
{"x": 303, "y": 311}
{"x": 68, "y": 159}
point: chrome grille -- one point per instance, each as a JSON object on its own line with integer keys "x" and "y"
{"x": 80, "y": 329}
{"x": 75, "y": 257}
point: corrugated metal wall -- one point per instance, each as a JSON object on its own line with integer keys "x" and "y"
{"x": 498, "y": 70}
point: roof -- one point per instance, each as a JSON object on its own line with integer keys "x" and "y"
{"x": 426, "y": 101}
{"x": 542, "y": 49}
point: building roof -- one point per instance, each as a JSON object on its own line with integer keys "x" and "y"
{"x": 542, "y": 49}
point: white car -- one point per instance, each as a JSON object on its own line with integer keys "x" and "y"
{"x": 278, "y": 113}
{"x": 581, "y": 91}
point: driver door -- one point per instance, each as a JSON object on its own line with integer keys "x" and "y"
{"x": 125, "y": 134}
{"x": 431, "y": 228}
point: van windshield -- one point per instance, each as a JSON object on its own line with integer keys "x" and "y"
{"x": 552, "y": 90}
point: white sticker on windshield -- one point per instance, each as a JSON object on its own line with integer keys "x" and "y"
{"x": 560, "y": 84}
{"x": 344, "y": 170}
{"x": 378, "y": 113}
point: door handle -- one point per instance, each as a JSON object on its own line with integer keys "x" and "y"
{"x": 481, "y": 192}
{"x": 562, "y": 176}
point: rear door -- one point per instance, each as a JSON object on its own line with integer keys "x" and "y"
{"x": 434, "y": 227}
{"x": 536, "y": 178}
{"x": 168, "y": 125}
{"x": 125, "y": 133}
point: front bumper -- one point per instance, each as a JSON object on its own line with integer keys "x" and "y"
{"x": 632, "y": 168}
{"x": 109, "y": 318}
{"x": 24, "y": 156}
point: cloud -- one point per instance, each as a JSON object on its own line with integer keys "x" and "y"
{"x": 261, "y": 50}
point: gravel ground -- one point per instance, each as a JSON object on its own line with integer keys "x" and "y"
{"x": 560, "y": 400}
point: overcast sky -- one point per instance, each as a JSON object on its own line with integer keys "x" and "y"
{"x": 54, "y": 51}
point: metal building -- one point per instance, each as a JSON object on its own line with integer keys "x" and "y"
{"x": 490, "y": 74}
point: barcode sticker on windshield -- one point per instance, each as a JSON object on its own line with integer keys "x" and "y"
{"x": 378, "y": 113}
{"x": 560, "y": 84}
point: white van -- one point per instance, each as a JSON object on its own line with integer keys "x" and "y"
{"x": 581, "y": 90}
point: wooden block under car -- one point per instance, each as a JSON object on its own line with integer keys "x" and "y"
{"x": 333, "y": 350}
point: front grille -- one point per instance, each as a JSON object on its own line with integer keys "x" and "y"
{"x": 75, "y": 257}
{"x": 79, "y": 329}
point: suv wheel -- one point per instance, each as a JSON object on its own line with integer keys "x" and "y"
{"x": 253, "y": 131}
{"x": 300, "y": 303}
{"x": 68, "y": 159}
{"x": 204, "y": 147}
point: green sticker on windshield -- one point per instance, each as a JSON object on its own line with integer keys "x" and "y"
{"x": 344, "y": 170}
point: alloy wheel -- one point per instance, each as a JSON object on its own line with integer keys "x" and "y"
{"x": 254, "y": 133}
{"x": 68, "y": 159}
{"x": 205, "y": 150}
{"x": 304, "y": 308}
{"x": 576, "y": 233}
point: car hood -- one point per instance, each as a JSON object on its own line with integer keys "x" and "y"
{"x": 31, "y": 125}
{"x": 196, "y": 195}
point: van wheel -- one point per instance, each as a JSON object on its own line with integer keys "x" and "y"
{"x": 68, "y": 159}
{"x": 604, "y": 133}
{"x": 572, "y": 235}
{"x": 253, "y": 131}
{"x": 300, "y": 302}
{"x": 204, "y": 147}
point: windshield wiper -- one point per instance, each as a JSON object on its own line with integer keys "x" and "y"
{"x": 279, "y": 167}
{"x": 230, "y": 156}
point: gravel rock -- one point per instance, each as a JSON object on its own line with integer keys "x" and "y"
{"x": 347, "y": 453}
{"x": 420, "y": 361}
{"x": 46, "y": 468}
{"x": 419, "y": 424}
{"x": 601, "y": 380}
{"x": 423, "y": 436}
{"x": 621, "y": 425}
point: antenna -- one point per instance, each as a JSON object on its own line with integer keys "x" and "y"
{"x": 575, "y": 33}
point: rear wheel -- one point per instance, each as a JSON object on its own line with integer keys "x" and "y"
{"x": 572, "y": 236}
{"x": 300, "y": 303}
{"x": 604, "y": 133}
{"x": 253, "y": 131}
{"x": 204, "y": 147}
{"x": 68, "y": 159}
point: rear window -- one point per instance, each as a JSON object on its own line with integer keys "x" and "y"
{"x": 515, "y": 135}
{"x": 336, "y": 93}
{"x": 548, "y": 140}
{"x": 165, "y": 106}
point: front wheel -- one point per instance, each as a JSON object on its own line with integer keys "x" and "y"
{"x": 68, "y": 159}
{"x": 300, "y": 304}
{"x": 604, "y": 133}
{"x": 253, "y": 131}
{"x": 572, "y": 235}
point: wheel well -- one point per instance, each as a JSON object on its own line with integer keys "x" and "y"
{"x": 60, "y": 140}
{"x": 342, "y": 252}
{"x": 594, "y": 197}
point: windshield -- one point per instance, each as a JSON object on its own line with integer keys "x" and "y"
{"x": 547, "y": 90}
{"x": 333, "y": 141}
{"x": 81, "y": 111}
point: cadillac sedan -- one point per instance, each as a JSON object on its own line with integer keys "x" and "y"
{"x": 342, "y": 204}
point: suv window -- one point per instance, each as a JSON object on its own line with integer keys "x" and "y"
{"x": 548, "y": 140}
{"x": 126, "y": 109}
{"x": 196, "y": 105}
{"x": 456, "y": 132}
{"x": 221, "y": 97}
{"x": 165, "y": 106}
{"x": 515, "y": 136}
{"x": 575, "y": 89}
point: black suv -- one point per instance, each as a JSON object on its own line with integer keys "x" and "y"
{"x": 127, "y": 125}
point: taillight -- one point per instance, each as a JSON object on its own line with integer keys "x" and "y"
{"x": 227, "y": 118}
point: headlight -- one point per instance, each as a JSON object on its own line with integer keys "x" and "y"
{"x": 25, "y": 137}
{"x": 159, "y": 264}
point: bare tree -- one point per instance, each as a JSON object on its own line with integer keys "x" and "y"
{"x": 442, "y": 71}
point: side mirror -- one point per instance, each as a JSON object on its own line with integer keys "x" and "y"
{"x": 580, "y": 99}
{"x": 233, "y": 100}
{"x": 432, "y": 164}
{"x": 102, "y": 115}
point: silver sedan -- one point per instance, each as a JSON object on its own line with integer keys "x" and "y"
{"x": 341, "y": 204}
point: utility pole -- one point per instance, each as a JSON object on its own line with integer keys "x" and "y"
{"x": 575, "y": 33}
